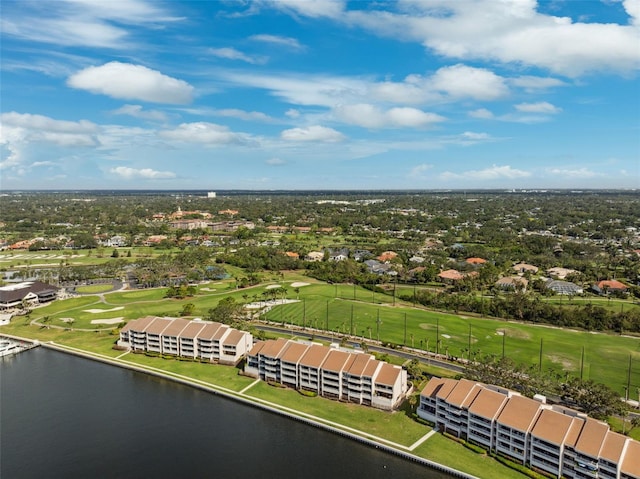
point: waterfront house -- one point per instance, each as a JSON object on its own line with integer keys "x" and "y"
{"x": 331, "y": 372}
{"x": 204, "y": 340}
{"x": 553, "y": 439}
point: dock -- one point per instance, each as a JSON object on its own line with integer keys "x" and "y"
{"x": 10, "y": 345}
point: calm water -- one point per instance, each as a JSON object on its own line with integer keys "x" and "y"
{"x": 67, "y": 417}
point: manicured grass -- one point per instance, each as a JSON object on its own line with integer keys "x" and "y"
{"x": 445, "y": 451}
{"x": 97, "y": 342}
{"x": 94, "y": 288}
{"x": 225, "y": 376}
{"x": 393, "y": 426}
{"x": 606, "y": 357}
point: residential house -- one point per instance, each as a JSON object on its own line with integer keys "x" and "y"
{"x": 556, "y": 440}
{"x": 198, "y": 339}
{"x": 563, "y": 287}
{"x": 512, "y": 283}
{"x": 330, "y": 372}
{"x": 609, "y": 286}
{"x": 560, "y": 273}
{"x": 522, "y": 268}
{"x": 315, "y": 256}
{"x": 475, "y": 261}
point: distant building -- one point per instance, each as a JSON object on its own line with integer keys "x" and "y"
{"x": 196, "y": 339}
{"x": 554, "y": 439}
{"x": 513, "y": 283}
{"x": 33, "y": 292}
{"x": 475, "y": 261}
{"x": 315, "y": 256}
{"x": 330, "y": 372}
{"x": 563, "y": 287}
{"x": 610, "y": 286}
{"x": 525, "y": 268}
{"x": 211, "y": 194}
{"x": 560, "y": 273}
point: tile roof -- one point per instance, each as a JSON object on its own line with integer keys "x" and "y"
{"x": 552, "y": 426}
{"x": 630, "y": 464}
{"x": 591, "y": 437}
{"x": 388, "y": 374}
{"x": 487, "y": 403}
{"x": 519, "y": 413}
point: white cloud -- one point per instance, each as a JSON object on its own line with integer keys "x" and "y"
{"x": 481, "y": 113}
{"x": 540, "y": 107}
{"x": 369, "y": 116}
{"x": 205, "y": 133}
{"x": 510, "y": 32}
{"x": 493, "y": 173}
{"x": 143, "y": 173}
{"x": 292, "y": 113}
{"x": 420, "y": 170}
{"x": 572, "y": 173}
{"x": 21, "y": 128}
{"x": 137, "y": 111}
{"x": 277, "y": 40}
{"x": 80, "y": 22}
{"x": 233, "y": 54}
{"x": 533, "y": 84}
{"x": 310, "y": 8}
{"x": 243, "y": 115}
{"x": 460, "y": 81}
{"x": 312, "y": 133}
{"x": 632, "y": 7}
{"x": 275, "y": 162}
{"x": 132, "y": 82}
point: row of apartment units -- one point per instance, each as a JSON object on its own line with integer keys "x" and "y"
{"x": 554, "y": 439}
{"x": 196, "y": 339}
{"x": 330, "y": 372}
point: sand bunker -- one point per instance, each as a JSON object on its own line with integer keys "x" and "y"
{"x": 107, "y": 321}
{"x": 97, "y": 311}
{"x": 273, "y": 286}
{"x": 299, "y": 284}
{"x": 446, "y": 336}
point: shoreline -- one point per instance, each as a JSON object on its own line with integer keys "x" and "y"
{"x": 256, "y": 403}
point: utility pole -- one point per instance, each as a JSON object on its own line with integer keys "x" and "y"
{"x": 351, "y": 322}
{"x": 628, "y": 378}
{"x": 437, "y": 336}
{"x": 469, "y": 351}
{"x": 581, "y": 363}
{"x": 304, "y": 313}
{"x": 378, "y": 325}
{"x": 504, "y": 335}
{"x": 540, "y": 365}
{"x": 327, "y": 320}
{"x": 405, "y": 330}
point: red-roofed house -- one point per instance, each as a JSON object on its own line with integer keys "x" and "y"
{"x": 475, "y": 261}
{"x": 608, "y": 286}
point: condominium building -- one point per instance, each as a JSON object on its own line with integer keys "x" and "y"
{"x": 196, "y": 339}
{"x": 330, "y": 372}
{"x": 549, "y": 438}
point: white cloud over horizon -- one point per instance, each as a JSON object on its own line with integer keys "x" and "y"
{"x": 132, "y": 82}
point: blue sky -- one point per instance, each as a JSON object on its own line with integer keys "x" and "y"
{"x": 293, "y": 94}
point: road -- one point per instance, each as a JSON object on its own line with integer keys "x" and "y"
{"x": 355, "y": 343}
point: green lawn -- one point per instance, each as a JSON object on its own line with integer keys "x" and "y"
{"x": 393, "y": 426}
{"x": 606, "y": 357}
{"x": 94, "y": 288}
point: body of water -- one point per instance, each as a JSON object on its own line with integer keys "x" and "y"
{"x": 68, "y": 417}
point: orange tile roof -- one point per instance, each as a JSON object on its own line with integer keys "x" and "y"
{"x": 157, "y": 326}
{"x": 138, "y": 324}
{"x": 388, "y": 374}
{"x": 451, "y": 274}
{"x": 358, "y": 364}
{"x": 175, "y": 327}
{"x": 552, "y": 426}
{"x": 460, "y": 392}
{"x": 487, "y": 403}
{"x": 630, "y": 464}
{"x": 591, "y": 437}
{"x": 613, "y": 447}
{"x": 294, "y": 352}
{"x": 336, "y": 360}
{"x": 314, "y": 357}
{"x": 476, "y": 261}
{"x": 611, "y": 284}
{"x": 519, "y": 413}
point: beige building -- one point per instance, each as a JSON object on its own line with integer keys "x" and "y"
{"x": 554, "y": 439}
{"x": 197, "y": 339}
{"x": 330, "y": 372}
